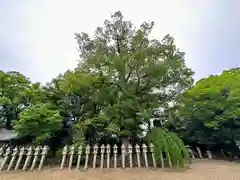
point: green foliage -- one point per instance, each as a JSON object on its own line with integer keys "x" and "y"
{"x": 4, "y": 107}
{"x": 134, "y": 74}
{"x": 170, "y": 144}
{"x": 16, "y": 94}
{"x": 121, "y": 82}
{"x": 211, "y": 109}
{"x": 39, "y": 122}
{"x": 79, "y": 130}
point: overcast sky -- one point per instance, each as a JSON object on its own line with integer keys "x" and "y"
{"x": 37, "y": 36}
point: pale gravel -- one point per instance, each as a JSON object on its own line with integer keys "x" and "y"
{"x": 199, "y": 170}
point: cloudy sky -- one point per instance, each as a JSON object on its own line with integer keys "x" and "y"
{"x": 37, "y": 36}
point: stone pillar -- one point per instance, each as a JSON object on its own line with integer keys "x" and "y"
{"x": 36, "y": 154}
{"x": 22, "y": 152}
{"x": 199, "y": 153}
{"x": 130, "y": 151}
{"x": 72, "y": 148}
{"x": 1, "y": 151}
{"x": 115, "y": 155}
{"x": 209, "y": 154}
{"x": 29, "y": 155}
{"x": 44, "y": 154}
{"x": 108, "y": 151}
{"x": 144, "y": 147}
{"x": 162, "y": 160}
{"x": 79, "y": 156}
{"x": 14, "y": 154}
{"x": 123, "y": 155}
{"x": 95, "y": 151}
{"x": 191, "y": 153}
{"x": 169, "y": 160}
{"x": 222, "y": 152}
{"x": 137, "y": 147}
{"x": 6, "y": 156}
{"x": 153, "y": 155}
{"x": 102, "y": 154}
{"x": 87, "y": 152}
{"x": 64, "y": 154}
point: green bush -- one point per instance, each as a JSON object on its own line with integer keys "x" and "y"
{"x": 38, "y": 121}
{"x": 170, "y": 144}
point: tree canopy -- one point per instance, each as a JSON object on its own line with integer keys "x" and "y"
{"x": 211, "y": 111}
{"x": 124, "y": 81}
{"x": 133, "y": 75}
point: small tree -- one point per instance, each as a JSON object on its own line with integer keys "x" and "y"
{"x": 38, "y": 122}
{"x": 170, "y": 144}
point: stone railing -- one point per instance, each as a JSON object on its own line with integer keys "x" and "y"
{"x": 116, "y": 157}
{"x": 23, "y": 158}
{"x": 198, "y": 153}
{"x": 107, "y": 157}
{"x": 104, "y": 156}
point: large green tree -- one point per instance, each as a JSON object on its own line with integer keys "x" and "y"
{"x": 210, "y": 112}
{"x": 134, "y": 75}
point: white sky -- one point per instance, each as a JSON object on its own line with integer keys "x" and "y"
{"x": 46, "y": 28}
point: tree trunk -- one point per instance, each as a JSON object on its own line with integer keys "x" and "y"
{"x": 125, "y": 142}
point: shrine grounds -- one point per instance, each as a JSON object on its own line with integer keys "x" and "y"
{"x": 198, "y": 170}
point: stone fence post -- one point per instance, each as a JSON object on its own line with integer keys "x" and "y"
{"x": 36, "y": 154}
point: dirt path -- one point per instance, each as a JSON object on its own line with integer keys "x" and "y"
{"x": 200, "y": 170}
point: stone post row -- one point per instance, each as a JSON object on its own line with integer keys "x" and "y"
{"x": 16, "y": 156}
{"x": 126, "y": 152}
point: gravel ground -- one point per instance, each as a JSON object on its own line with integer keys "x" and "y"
{"x": 199, "y": 170}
